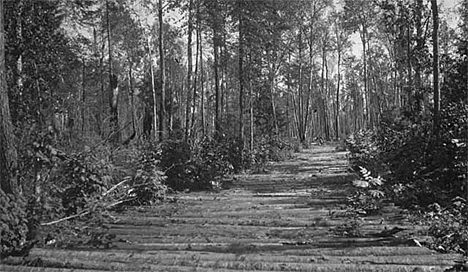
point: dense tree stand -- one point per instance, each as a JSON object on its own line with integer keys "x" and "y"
{"x": 281, "y": 220}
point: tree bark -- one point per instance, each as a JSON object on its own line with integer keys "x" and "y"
{"x": 113, "y": 88}
{"x": 83, "y": 96}
{"x": 409, "y": 68}
{"x": 300, "y": 98}
{"x": 417, "y": 64}
{"x": 197, "y": 64}
{"x": 364, "y": 54}
{"x": 435, "y": 66}
{"x": 216, "y": 79}
{"x": 19, "y": 37}
{"x": 162, "y": 112}
{"x": 154, "y": 118}
{"x": 202, "y": 89}
{"x": 337, "y": 114}
{"x": 132, "y": 104}
{"x": 189, "y": 106}
{"x": 8, "y": 155}
{"x": 102, "y": 88}
{"x": 241, "y": 75}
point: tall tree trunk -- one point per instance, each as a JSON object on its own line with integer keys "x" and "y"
{"x": 435, "y": 66}
{"x": 202, "y": 90}
{"x": 241, "y": 75}
{"x": 325, "y": 102}
{"x": 417, "y": 64}
{"x": 102, "y": 89}
{"x": 409, "y": 68}
{"x": 113, "y": 88}
{"x": 364, "y": 60}
{"x": 323, "y": 93}
{"x": 162, "y": 70}
{"x": 251, "y": 109}
{"x": 19, "y": 37}
{"x": 197, "y": 63}
{"x": 153, "y": 91}
{"x": 300, "y": 98}
{"x": 83, "y": 96}
{"x": 132, "y": 104}
{"x": 272, "y": 100}
{"x": 337, "y": 114}
{"x": 98, "y": 111}
{"x": 8, "y": 155}
{"x": 216, "y": 79}
{"x": 189, "y": 106}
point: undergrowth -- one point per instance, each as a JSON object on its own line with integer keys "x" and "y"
{"x": 72, "y": 194}
{"x": 421, "y": 171}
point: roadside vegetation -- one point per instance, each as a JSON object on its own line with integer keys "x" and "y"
{"x": 107, "y": 105}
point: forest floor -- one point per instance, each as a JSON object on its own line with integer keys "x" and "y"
{"x": 279, "y": 220}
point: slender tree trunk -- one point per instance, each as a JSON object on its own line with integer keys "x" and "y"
{"x": 241, "y": 75}
{"x": 300, "y": 98}
{"x": 417, "y": 64}
{"x": 251, "y": 105}
{"x": 162, "y": 70}
{"x": 309, "y": 94}
{"x": 337, "y": 114}
{"x": 189, "y": 106}
{"x": 102, "y": 90}
{"x": 132, "y": 97}
{"x": 435, "y": 66}
{"x": 197, "y": 63}
{"x": 216, "y": 79}
{"x": 153, "y": 90}
{"x": 326, "y": 119}
{"x": 273, "y": 104}
{"x": 113, "y": 88}
{"x": 409, "y": 68}
{"x": 323, "y": 93}
{"x": 19, "y": 37}
{"x": 132, "y": 104}
{"x": 83, "y": 96}
{"x": 251, "y": 118}
{"x": 202, "y": 90}
{"x": 97, "y": 114}
{"x": 364, "y": 59}
{"x": 8, "y": 155}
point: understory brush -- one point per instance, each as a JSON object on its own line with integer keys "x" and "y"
{"x": 197, "y": 167}
{"x": 68, "y": 197}
{"x": 369, "y": 194}
{"x": 271, "y": 149}
{"x": 200, "y": 165}
{"x": 364, "y": 151}
{"x": 448, "y": 226}
{"x": 420, "y": 169}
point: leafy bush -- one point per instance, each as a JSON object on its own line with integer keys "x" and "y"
{"x": 272, "y": 149}
{"x": 364, "y": 151}
{"x": 427, "y": 168}
{"x": 195, "y": 168}
{"x": 449, "y": 226}
{"x": 78, "y": 183}
{"x": 13, "y": 224}
{"x": 367, "y": 199}
{"x": 175, "y": 159}
{"x": 217, "y": 156}
{"x": 422, "y": 168}
{"x": 70, "y": 195}
{"x": 146, "y": 186}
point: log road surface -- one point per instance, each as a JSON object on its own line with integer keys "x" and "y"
{"x": 279, "y": 220}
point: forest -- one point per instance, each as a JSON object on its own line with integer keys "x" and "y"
{"x": 108, "y": 104}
